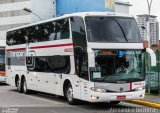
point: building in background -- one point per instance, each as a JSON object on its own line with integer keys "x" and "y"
{"x": 122, "y": 7}
{"x": 72, "y": 6}
{"x": 12, "y": 15}
{"x": 154, "y": 28}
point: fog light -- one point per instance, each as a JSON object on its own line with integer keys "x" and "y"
{"x": 94, "y": 97}
{"x": 139, "y": 88}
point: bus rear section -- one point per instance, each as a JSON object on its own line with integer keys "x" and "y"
{"x": 2, "y": 66}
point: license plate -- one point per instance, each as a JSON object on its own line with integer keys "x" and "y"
{"x": 121, "y": 97}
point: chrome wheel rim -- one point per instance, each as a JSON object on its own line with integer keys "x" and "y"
{"x": 24, "y": 87}
{"x": 18, "y": 84}
{"x": 70, "y": 94}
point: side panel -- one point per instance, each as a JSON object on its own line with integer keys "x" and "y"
{"x": 15, "y": 62}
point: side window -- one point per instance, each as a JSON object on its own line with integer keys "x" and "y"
{"x": 62, "y": 27}
{"x": 54, "y": 30}
{"x": 62, "y": 64}
{"x": 55, "y": 64}
{"x": 78, "y": 31}
{"x": 16, "y": 37}
{"x": 35, "y": 34}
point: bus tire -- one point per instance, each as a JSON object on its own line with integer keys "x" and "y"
{"x": 69, "y": 95}
{"x": 24, "y": 86}
{"x": 114, "y": 102}
{"x": 19, "y": 86}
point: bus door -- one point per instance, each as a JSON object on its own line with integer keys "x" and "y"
{"x": 81, "y": 67}
{"x": 31, "y": 77}
{"x": 58, "y": 83}
{"x": 80, "y": 53}
{"x": 62, "y": 69}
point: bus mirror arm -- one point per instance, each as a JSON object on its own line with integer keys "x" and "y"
{"x": 152, "y": 55}
{"x": 91, "y": 56}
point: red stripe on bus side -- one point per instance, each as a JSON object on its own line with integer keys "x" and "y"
{"x": 130, "y": 86}
{"x": 39, "y": 47}
{"x": 16, "y": 49}
{"x": 50, "y": 46}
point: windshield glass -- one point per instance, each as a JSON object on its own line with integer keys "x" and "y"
{"x": 118, "y": 65}
{"x": 112, "y": 29}
{"x": 2, "y": 67}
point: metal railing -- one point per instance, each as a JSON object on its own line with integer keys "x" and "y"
{"x": 152, "y": 75}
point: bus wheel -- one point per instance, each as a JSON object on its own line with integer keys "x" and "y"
{"x": 24, "y": 85}
{"x": 19, "y": 86}
{"x": 69, "y": 95}
{"x": 114, "y": 102}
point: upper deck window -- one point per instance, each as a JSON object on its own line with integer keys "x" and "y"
{"x": 54, "y": 30}
{"x": 112, "y": 29}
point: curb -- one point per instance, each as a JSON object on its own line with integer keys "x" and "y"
{"x": 144, "y": 103}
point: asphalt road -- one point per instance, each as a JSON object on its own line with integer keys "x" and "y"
{"x": 13, "y": 102}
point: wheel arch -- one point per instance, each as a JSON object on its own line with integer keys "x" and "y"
{"x": 65, "y": 84}
{"x": 22, "y": 78}
{"x": 16, "y": 79}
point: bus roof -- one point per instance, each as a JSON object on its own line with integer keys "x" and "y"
{"x": 80, "y": 14}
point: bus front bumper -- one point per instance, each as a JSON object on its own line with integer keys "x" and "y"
{"x": 107, "y": 97}
{"x": 2, "y": 79}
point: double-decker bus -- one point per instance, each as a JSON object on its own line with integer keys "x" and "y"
{"x": 2, "y": 66}
{"x": 89, "y": 56}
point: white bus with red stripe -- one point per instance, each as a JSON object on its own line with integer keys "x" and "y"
{"x": 90, "y": 56}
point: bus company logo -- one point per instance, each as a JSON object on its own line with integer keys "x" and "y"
{"x": 68, "y": 50}
{"x": 17, "y": 54}
{"x": 121, "y": 89}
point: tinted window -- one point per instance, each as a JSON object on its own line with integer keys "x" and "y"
{"x": 78, "y": 29}
{"x": 16, "y": 37}
{"x": 55, "y": 30}
{"x": 112, "y": 29}
{"x": 56, "y": 64}
{"x": 80, "y": 46}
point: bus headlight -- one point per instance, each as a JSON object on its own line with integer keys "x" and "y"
{"x": 139, "y": 88}
{"x": 101, "y": 90}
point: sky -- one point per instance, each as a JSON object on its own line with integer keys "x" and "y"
{"x": 141, "y": 7}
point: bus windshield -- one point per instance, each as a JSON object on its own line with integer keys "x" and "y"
{"x": 112, "y": 29}
{"x": 2, "y": 66}
{"x": 118, "y": 65}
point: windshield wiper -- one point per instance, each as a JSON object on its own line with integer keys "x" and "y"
{"x": 132, "y": 79}
{"x": 103, "y": 79}
{"x": 121, "y": 29}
